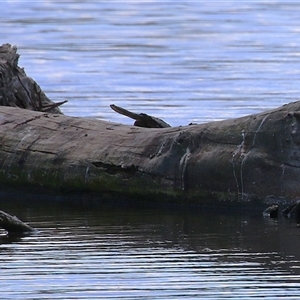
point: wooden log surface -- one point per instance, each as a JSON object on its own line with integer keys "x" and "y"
{"x": 19, "y": 90}
{"x": 13, "y": 225}
{"x": 246, "y": 159}
{"x": 252, "y": 160}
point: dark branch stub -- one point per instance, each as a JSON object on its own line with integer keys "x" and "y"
{"x": 141, "y": 120}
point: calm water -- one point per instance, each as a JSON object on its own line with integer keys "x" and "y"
{"x": 109, "y": 253}
{"x": 188, "y": 61}
{"x": 183, "y": 61}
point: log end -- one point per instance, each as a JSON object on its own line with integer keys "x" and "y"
{"x": 13, "y": 225}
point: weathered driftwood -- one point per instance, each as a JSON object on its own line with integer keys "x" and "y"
{"x": 250, "y": 160}
{"x": 13, "y": 225}
{"x": 16, "y": 89}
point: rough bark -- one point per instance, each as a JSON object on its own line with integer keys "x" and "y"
{"x": 251, "y": 161}
{"x": 16, "y": 89}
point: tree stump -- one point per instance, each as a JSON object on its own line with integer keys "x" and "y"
{"x": 18, "y": 90}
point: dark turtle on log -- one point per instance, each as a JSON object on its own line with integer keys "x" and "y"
{"x": 271, "y": 211}
{"x": 292, "y": 210}
{"x": 141, "y": 120}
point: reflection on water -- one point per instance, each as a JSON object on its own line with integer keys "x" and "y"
{"x": 110, "y": 253}
{"x": 201, "y": 60}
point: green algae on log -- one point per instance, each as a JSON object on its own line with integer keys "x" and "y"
{"x": 252, "y": 160}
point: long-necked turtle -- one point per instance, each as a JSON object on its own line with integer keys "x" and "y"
{"x": 141, "y": 120}
{"x": 292, "y": 210}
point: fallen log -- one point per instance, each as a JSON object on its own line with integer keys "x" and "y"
{"x": 249, "y": 161}
{"x": 13, "y": 225}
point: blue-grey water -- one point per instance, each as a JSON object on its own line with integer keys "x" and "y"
{"x": 183, "y": 61}
{"x": 129, "y": 253}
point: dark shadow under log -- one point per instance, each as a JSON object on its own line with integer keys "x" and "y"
{"x": 249, "y": 161}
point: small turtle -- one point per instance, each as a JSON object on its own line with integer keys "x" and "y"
{"x": 292, "y": 210}
{"x": 142, "y": 120}
{"x": 271, "y": 212}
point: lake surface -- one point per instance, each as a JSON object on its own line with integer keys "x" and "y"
{"x": 187, "y": 61}
{"x": 126, "y": 253}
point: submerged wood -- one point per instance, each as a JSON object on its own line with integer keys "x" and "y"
{"x": 13, "y": 225}
{"x": 251, "y": 161}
